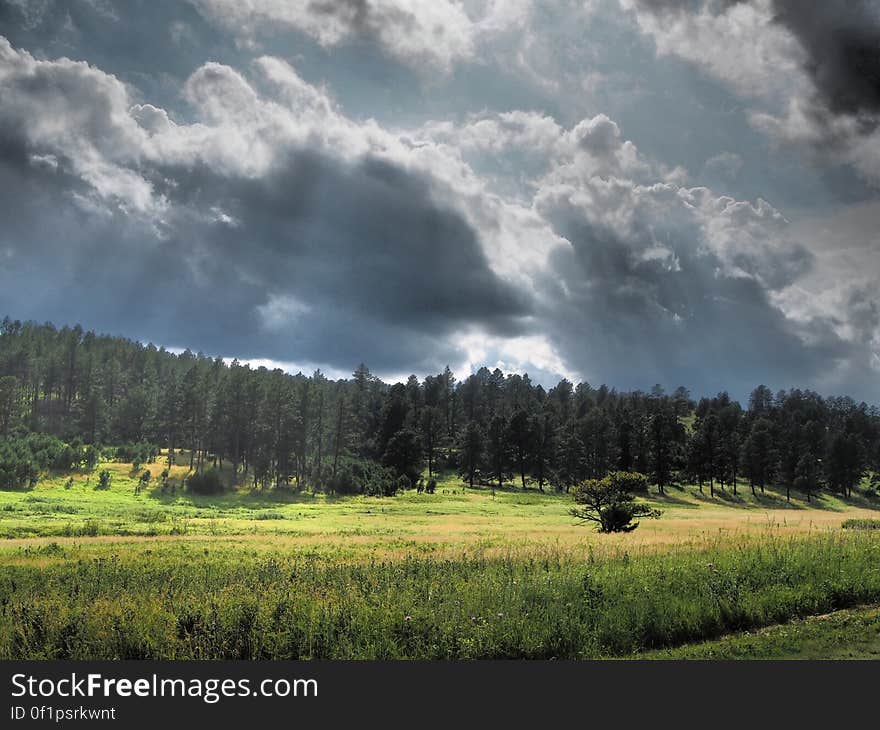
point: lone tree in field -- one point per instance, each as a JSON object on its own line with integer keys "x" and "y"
{"x": 610, "y": 502}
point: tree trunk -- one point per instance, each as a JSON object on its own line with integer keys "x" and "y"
{"x": 338, "y": 439}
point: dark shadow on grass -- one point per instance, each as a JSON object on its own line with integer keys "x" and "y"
{"x": 861, "y": 499}
{"x": 773, "y": 500}
{"x": 669, "y": 499}
{"x": 729, "y": 499}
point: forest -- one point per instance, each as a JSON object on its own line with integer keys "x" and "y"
{"x": 70, "y": 397}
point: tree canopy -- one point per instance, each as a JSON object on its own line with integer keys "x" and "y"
{"x": 278, "y": 429}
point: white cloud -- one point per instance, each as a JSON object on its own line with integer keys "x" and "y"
{"x": 789, "y": 81}
{"x": 842, "y": 286}
{"x": 726, "y": 164}
{"x": 533, "y": 354}
{"x": 738, "y": 43}
{"x": 436, "y": 33}
{"x": 592, "y": 226}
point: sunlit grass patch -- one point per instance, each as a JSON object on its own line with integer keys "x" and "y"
{"x": 236, "y": 598}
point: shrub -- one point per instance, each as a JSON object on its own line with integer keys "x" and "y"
{"x": 90, "y": 458}
{"x": 343, "y": 482}
{"x": 207, "y": 482}
{"x": 17, "y": 467}
{"x": 366, "y": 477}
{"x": 139, "y": 453}
{"x": 379, "y": 481}
{"x": 67, "y": 458}
{"x": 143, "y": 481}
{"x": 861, "y": 524}
{"x": 105, "y": 478}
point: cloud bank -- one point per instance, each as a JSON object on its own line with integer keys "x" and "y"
{"x": 246, "y": 210}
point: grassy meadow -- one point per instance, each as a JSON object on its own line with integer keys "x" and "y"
{"x": 845, "y": 634}
{"x": 162, "y": 573}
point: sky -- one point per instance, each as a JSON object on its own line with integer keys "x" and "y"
{"x": 627, "y": 192}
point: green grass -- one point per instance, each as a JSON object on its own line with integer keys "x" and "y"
{"x": 87, "y": 573}
{"x": 452, "y": 518}
{"x": 845, "y": 634}
{"x": 180, "y": 600}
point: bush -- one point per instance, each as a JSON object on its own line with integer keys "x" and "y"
{"x": 67, "y": 458}
{"x": 140, "y": 453}
{"x": 143, "y": 481}
{"x": 90, "y": 458}
{"x": 18, "y": 468}
{"x": 105, "y": 478}
{"x": 343, "y": 482}
{"x": 206, "y": 483}
{"x": 431, "y": 486}
{"x": 24, "y": 456}
{"x": 861, "y": 524}
{"x": 366, "y": 477}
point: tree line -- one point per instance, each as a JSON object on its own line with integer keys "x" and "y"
{"x": 361, "y": 435}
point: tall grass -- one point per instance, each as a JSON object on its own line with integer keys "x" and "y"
{"x": 861, "y": 524}
{"x": 187, "y": 601}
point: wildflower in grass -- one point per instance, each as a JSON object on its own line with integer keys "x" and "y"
{"x": 407, "y": 618}
{"x": 500, "y": 615}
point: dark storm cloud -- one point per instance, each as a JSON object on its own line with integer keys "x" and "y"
{"x": 318, "y": 259}
{"x": 378, "y": 292}
{"x": 246, "y": 214}
{"x": 367, "y": 234}
{"x": 638, "y": 320}
{"x": 373, "y": 287}
{"x": 841, "y": 39}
